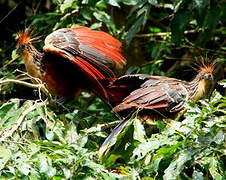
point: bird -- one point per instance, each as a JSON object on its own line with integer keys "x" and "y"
{"x": 73, "y": 59}
{"x": 153, "y": 97}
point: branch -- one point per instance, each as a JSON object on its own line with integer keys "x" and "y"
{"x": 40, "y": 86}
{"x": 31, "y": 85}
{"x": 164, "y": 33}
{"x": 109, "y": 124}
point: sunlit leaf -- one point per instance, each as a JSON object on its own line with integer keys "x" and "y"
{"x": 153, "y": 2}
{"x": 219, "y": 138}
{"x": 4, "y": 156}
{"x": 223, "y": 83}
{"x": 66, "y": 4}
{"x": 214, "y": 169}
{"x": 176, "y": 166}
{"x": 144, "y": 148}
{"x": 197, "y": 175}
{"x": 139, "y": 132}
{"x": 113, "y": 2}
{"x": 24, "y": 169}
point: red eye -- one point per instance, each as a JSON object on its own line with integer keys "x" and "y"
{"x": 208, "y": 76}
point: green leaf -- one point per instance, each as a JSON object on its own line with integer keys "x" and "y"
{"x": 201, "y": 4}
{"x": 154, "y": 166}
{"x": 144, "y": 148}
{"x": 214, "y": 169}
{"x": 96, "y": 25}
{"x": 130, "y": 2}
{"x": 85, "y": 1}
{"x": 87, "y": 14}
{"x": 45, "y": 166}
{"x": 113, "y": 2}
{"x": 8, "y": 108}
{"x": 5, "y": 155}
{"x": 177, "y": 166}
{"x": 104, "y": 17}
{"x": 222, "y": 83}
{"x": 179, "y": 24}
{"x": 11, "y": 116}
{"x": 101, "y": 4}
{"x": 209, "y": 24}
{"x": 24, "y": 169}
{"x": 219, "y": 138}
{"x": 14, "y": 54}
{"x": 197, "y": 175}
{"x": 153, "y": 2}
{"x": 134, "y": 29}
{"x": 139, "y": 132}
{"x": 66, "y": 4}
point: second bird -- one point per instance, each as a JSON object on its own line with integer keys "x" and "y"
{"x": 153, "y": 97}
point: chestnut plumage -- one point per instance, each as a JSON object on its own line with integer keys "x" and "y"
{"x": 73, "y": 59}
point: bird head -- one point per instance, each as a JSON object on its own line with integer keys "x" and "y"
{"x": 24, "y": 44}
{"x": 24, "y": 40}
{"x": 206, "y": 71}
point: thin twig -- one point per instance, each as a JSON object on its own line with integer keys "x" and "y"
{"x": 103, "y": 126}
{"x": 8, "y": 81}
{"x": 10, "y": 12}
{"x": 9, "y": 62}
{"x": 166, "y": 33}
{"x": 69, "y": 14}
{"x": 110, "y": 124}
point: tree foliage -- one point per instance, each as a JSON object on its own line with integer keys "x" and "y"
{"x": 43, "y": 139}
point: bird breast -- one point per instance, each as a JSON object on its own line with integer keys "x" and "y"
{"x": 32, "y": 67}
{"x": 200, "y": 90}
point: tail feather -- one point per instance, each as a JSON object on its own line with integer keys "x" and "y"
{"x": 110, "y": 140}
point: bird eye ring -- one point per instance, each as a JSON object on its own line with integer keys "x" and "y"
{"x": 23, "y": 46}
{"x": 208, "y": 76}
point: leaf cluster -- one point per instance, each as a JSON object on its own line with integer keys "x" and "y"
{"x": 40, "y": 139}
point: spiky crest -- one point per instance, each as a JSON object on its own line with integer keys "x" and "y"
{"x": 207, "y": 68}
{"x": 26, "y": 37}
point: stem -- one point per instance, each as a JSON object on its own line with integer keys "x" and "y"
{"x": 7, "y": 81}
{"x": 164, "y": 33}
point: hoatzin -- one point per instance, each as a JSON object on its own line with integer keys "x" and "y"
{"x": 153, "y": 97}
{"x": 72, "y": 59}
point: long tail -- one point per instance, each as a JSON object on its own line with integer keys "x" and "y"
{"x": 109, "y": 141}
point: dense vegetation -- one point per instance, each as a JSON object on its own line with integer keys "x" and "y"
{"x": 43, "y": 139}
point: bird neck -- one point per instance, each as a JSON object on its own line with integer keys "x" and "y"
{"x": 197, "y": 88}
{"x": 33, "y": 61}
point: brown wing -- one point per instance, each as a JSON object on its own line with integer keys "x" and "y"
{"x": 98, "y": 48}
{"x": 153, "y": 94}
{"x": 119, "y": 88}
{"x": 168, "y": 96}
{"x": 96, "y": 54}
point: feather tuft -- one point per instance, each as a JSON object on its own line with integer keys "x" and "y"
{"x": 25, "y": 37}
{"x": 207, "y": 68}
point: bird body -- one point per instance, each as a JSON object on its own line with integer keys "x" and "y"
{"x": 72, "y": 59}
{"x": 153, "y": 97}
{"x": 156, "y": 93}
